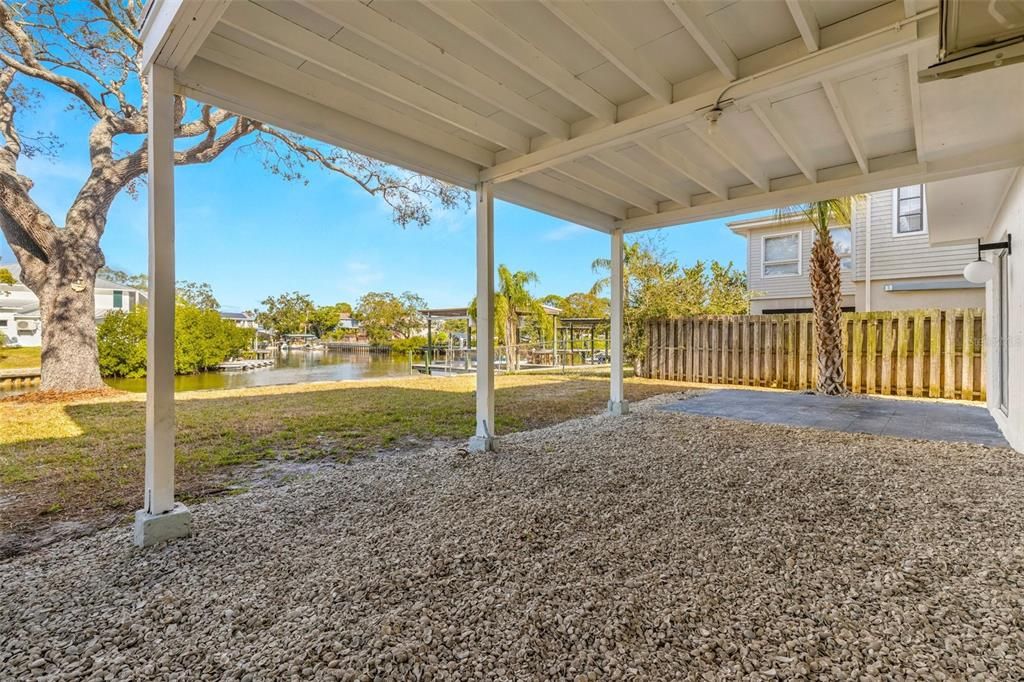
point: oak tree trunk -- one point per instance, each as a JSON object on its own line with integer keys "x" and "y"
{"x": 67, "y": 305}
{"x": 826, "y": 291}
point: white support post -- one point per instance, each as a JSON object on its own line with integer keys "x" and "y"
{"x": 160, "y": 517}
{"x": 484, "y": 438}
{"x": 617, "y": 405}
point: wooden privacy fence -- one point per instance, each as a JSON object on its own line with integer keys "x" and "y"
{"x": 923, "y": 353}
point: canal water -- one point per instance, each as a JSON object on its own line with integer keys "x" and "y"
{"x": 292, "y": 367}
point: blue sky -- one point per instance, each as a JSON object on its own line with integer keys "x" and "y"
{"x": 251, "y": 234}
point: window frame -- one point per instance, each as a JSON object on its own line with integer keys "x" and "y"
{"x": 799, "y": 254}
{"x": 853, "y": 246}
{"x": 117, "y": 299}
{"x": 896, "y": 214}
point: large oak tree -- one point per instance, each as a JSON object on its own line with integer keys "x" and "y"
{"x": 89, "y": 50}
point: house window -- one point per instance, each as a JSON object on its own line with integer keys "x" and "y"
{"x": 3, "y": 323}
{"x": 118, "y": 299}
{"x": 910, "y": 210}
{"x": 780, "y": 255}
{"x": 842, "y": 240}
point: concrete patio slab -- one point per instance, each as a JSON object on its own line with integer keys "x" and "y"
{"x": 927, "y": 420}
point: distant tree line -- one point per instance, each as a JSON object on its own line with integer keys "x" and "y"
{"x": 655, "y": 286}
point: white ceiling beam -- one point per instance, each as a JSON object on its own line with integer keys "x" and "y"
{"x": 730, "y": 150}
{"x": 812, "y": 68}
{"x": 691, "y": 16}
{"x": 678, "y": 161}
{"x": 793, "y": 147}
{"x": 410, "y": 46}
{"x": 174, "y": 30}
{"x": 915, "y": 103}
{"x": 562, "y": 185}
{"x": 490, "y": 32}
{"x": 659, "y": 183}
{"x": 852, "y": 139}
{"x": 264, "y": 25}
{"x": 246, "y": 95}
{"x": 538, "y": 199}
{"x": 244, "y": 60}
{"x": 601, "y": 36}
{"x": 806, "y": 22}
{"x": 611, "y": 186}
{"x": 890, "y": 171}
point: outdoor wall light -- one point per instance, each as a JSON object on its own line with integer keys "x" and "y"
{"x": 982, "y": 271}
{"x": 712, "y": 117}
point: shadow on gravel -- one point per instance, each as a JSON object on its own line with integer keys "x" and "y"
{"x": 92, "y": 476}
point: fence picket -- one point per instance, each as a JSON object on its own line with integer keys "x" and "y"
{"x": 935, "y": 355}
{"x": 887, "y": 349}
{"x": 968, "y": 356}
{"x": 871, "y": 359}
{"x": 938, "y": 353}
{"x": 857, "y": 350}
{"x": 802, "y": 361}
{"x": 949, "y": 355}
{"x": 918, "y": 359}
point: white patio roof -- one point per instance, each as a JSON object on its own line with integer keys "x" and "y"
{"x": 594, "y": 111}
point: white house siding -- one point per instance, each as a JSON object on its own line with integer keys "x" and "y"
{"x": 904, "y": 256}
{"x": 789, "y": 286}
{"x": 904, "y": 259}
{"x": 18, "y": 305}
{"x": 1010, "y": 220}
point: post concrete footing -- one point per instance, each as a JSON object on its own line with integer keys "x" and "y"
{"x": 153, "y": 528}
{"x": 618, "y": 408}
{"x": 481, "y": 444}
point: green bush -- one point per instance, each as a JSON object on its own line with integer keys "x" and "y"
{"x": 414, "y": 343}
{"x": 121, "y": 338}
{"x": 202, "y": 340}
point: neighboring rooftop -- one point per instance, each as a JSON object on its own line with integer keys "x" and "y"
{"x": 101, "y": 283}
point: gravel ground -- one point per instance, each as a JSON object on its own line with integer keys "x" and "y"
{"x": 658, "y": 546}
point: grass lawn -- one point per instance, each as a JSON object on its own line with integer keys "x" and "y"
{"x": 85, "y": 460}
{"x": 19, "y": 358}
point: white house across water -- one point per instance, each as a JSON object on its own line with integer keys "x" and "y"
{"x": 20, "y": 323}
{"x": 621, "y": 117}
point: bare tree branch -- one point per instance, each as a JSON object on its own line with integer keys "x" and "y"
{"x": 30, "y": 65}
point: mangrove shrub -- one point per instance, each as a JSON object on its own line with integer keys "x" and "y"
{"x": 202, "y": 340}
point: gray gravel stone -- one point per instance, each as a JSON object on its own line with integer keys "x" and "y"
{"x": 654, "y": 546}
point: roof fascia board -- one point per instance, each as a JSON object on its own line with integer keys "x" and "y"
{"x": 890, "y": 171}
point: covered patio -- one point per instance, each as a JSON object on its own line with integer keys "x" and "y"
{"x": 659, "y": 545}
{"x": 618, "y": 116}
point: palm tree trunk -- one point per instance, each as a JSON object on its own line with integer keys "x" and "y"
{"x": 826, "y": 290}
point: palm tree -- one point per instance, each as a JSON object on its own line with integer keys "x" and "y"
{"x": 512, "y": 299}
{"x": 826, "y": 284}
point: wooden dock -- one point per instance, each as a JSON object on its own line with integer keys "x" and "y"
{"x": 356, "y": 347}
{"x": 19, "y": 378}
{"x": 443, "y": 370}
{"x": 244, "y": 365}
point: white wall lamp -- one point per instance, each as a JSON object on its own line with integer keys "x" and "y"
{"x": 712, "y": 117}
{"x": 982, "y": 271}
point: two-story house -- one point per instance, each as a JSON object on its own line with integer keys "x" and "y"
{"x": 886, "y": 258}
{"x": 20, "y": 323}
